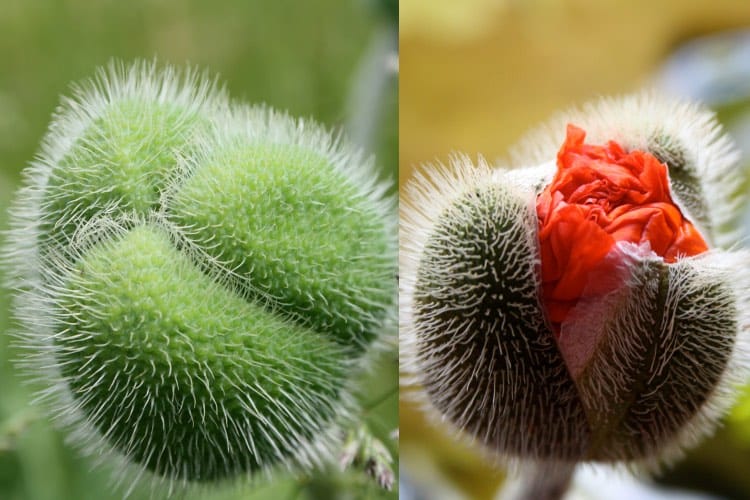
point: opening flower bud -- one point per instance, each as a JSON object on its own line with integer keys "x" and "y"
{"x": 579, "y": 309}
{"x": 601, "y": 196}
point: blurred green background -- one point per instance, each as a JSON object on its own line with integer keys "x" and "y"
{"x": 478, "y": 74}
{"x": 321, "y": 59}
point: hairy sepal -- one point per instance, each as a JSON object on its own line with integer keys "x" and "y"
{"x": 191, "y": 385}
{"x": 311, "y": 230}
{"x": 673, "y": 344}
{"x": 476, "y": 338}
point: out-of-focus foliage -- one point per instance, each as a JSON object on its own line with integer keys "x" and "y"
{"x": 475, "y": 76}
{"x": 298, "y": 56}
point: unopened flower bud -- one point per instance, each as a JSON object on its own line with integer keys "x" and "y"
{"x": 580, "y": 307}
{"x": 198, "y": 282}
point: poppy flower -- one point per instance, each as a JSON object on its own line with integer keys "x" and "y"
{"x": 580, "y": 305}
{"x": 600, "y": 196}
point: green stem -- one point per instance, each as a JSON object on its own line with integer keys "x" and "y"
{"x": 379, "y": 400}
{"x": 13, "y": 427}
{"x": 376, "y": 72}
{"x": 541, "y": 481}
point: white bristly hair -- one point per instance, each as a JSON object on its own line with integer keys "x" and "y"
{"x": 248, "y": 125}
{"x": 192, "y": 90}
{"x": 473, "y": 336}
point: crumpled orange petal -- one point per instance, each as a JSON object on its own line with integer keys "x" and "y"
{"x": 599, "y": 196}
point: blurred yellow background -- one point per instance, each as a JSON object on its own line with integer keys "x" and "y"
{"x": 474, "y": 76}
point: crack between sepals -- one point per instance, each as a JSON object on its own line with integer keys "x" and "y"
{"x": 613, "y": 420}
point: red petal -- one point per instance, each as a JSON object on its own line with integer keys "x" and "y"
{"x": 601, "y": 195}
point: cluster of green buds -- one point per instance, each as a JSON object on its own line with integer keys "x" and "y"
{"x": 588, "y": 303}
{"x": 199, "y": 282}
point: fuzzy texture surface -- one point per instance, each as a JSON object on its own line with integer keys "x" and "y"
{"x": 201, "y": 281}
{"x": 642, "y": 371}
{"x": 485, "y": 356}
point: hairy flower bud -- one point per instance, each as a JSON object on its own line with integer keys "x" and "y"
{"x": 580, "y": 307}
{"x": 199, "y": 281}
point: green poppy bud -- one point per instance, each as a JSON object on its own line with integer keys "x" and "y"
{"x": 198, "y": 283}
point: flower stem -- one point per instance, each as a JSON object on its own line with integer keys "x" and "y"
{"x": 15, "y": 426}
{"x": 377, "y": 70}
{"x": 540, "y": 481}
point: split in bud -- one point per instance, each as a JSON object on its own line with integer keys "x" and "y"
{"x": 581, "y": 309}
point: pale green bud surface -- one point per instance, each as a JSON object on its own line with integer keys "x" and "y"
{"x": 307, "y": 255}
{"x": 201, "y": 281}
{"x": 213, "y": 369}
